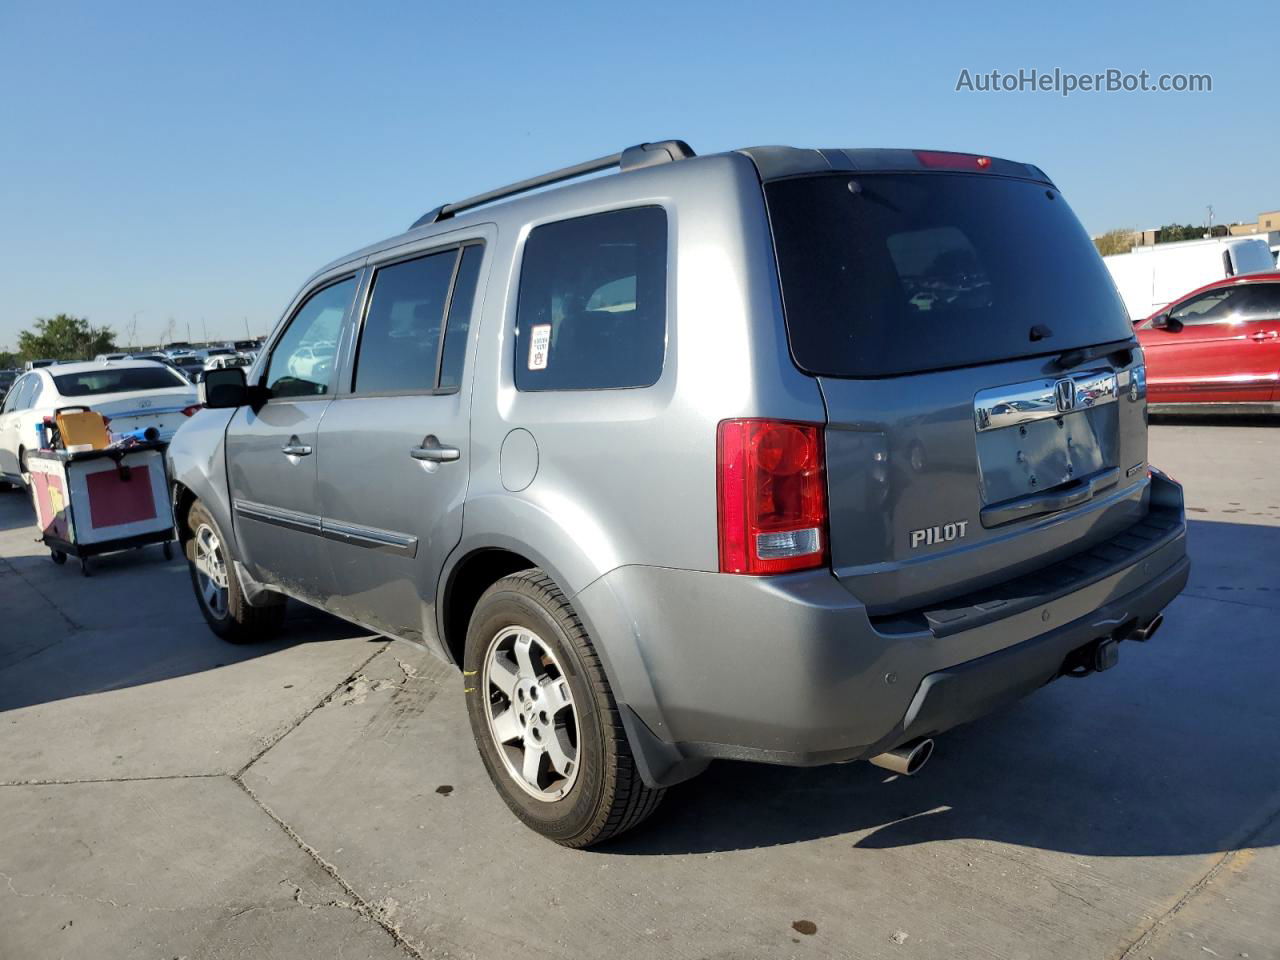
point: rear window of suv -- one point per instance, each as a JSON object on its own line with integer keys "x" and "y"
{"x": 887, "y": 274}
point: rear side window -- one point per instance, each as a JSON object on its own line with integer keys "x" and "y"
{"x": 593, "y": 302}
{"x": 16, "y": 400}
{"x": 454, "y": 351}
{"x": 119, "y": 379}
{"x": 400, "y": 341}
{"x": 406, "y": 339}
{"x": 886, "y": 274}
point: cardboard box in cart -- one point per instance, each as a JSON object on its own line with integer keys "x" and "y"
{"x": 100, "y": 501}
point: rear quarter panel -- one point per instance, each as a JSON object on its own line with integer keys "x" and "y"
{"x": 628, "y": 476}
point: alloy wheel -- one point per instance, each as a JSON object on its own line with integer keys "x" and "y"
{"x": 211, "y": 571}
{"x": 531, "y": 714}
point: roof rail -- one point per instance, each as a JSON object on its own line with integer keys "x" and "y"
{"x": 632, "y": 158}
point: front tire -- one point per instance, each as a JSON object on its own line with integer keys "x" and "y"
{"x": 544, "y": 719}
{"x": 217, "y": 588}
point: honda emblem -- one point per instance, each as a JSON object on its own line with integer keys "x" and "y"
{"x": 1064, "y": 392}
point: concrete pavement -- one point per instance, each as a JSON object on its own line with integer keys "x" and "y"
{"x": 168, "y": 795}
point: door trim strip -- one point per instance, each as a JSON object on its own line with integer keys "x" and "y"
{"x": 289, "y": 519}
{"x": 371, "y": 538}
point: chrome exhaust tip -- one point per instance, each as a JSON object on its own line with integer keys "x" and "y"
{"x": 908, "y": 759}
{"x": 1143, "y": 634}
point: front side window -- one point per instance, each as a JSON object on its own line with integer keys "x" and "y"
{"x": 302, "y": 361}
{"x": 1238, "y": 304}
{"x": 592, "y": 308}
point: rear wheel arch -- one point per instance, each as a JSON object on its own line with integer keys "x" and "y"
{"x": 466, "y": 582}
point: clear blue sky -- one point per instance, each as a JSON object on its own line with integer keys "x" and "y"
{"x": 198, "y": 161}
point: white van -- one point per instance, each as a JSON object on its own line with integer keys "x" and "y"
{"x": 1150, "y": 278}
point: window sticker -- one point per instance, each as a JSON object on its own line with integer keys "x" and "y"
{"x": 539, "y": 346}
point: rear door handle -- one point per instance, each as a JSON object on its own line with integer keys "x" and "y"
{"x": 1264, "y": 335}
{"x": 295, "y": 449}
{"x": 433, "y": 452}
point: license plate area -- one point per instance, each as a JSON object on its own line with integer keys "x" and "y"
{"x": 1029, "y": 445}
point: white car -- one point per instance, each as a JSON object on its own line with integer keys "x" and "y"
{"x": 309, "y": 362}
{"x": 134, "y": 394}
{"x": 223, "y": 360}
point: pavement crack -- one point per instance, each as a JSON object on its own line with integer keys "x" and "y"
{"x": 380, "y": 912}
{"x": 56, "y": 783}
{"x": 409, "y": 670}
{"x": 51, "y": 893}
{"x": 298, "y": 721}
{"x": 1222, "y": 863}
{"x": 1067, "y": 890}
{"x": 1239, "y": 603}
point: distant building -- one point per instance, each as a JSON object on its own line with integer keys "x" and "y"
{"x": 1267, "y": 225}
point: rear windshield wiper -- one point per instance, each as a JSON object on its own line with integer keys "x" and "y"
{"x": 1079, "y": 355}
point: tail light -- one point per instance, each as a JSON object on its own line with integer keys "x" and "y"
{"x": 191, "y": 410}
{"x": 771, "y": 495}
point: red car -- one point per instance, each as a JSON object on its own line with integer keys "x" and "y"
{"x": 1217, "y": 348}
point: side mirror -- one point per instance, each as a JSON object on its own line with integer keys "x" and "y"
{"x": 1165, "y": 322}
{"x": 223, "y": 389}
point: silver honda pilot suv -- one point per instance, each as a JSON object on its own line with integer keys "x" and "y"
{"x": 786, "y": 455}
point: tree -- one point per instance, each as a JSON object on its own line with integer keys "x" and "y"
{"x": 1119, "y": 240}
{"x": 65, "y": 337}
{"x": 9, "y": 360}
{"x": 1173, "y": 232}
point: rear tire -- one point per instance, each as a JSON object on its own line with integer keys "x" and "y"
{"x": 535, "y": 686}
{"x": 217, "y": 588}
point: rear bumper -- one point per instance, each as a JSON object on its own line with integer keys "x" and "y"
{"x": 792, "y": 670}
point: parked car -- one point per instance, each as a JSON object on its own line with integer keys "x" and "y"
{"x": 1150, "y": 278}
{"x": 133, "y": 394}
{"x": 37, "y": 364}
{"x": 7, "y": 377}
{"x": 110, "y": 356}
{"x": 783, "y": 455}
{"x": 225, "y": 360}
{"x": 311, "y": 362}
{"x": 191, "y": 366}
{"x": 1217, "y": 349}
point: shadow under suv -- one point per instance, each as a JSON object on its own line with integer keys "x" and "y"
{"x": 786, "y": 455}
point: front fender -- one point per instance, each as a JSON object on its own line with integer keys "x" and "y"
{"x": 196, "y": 459}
